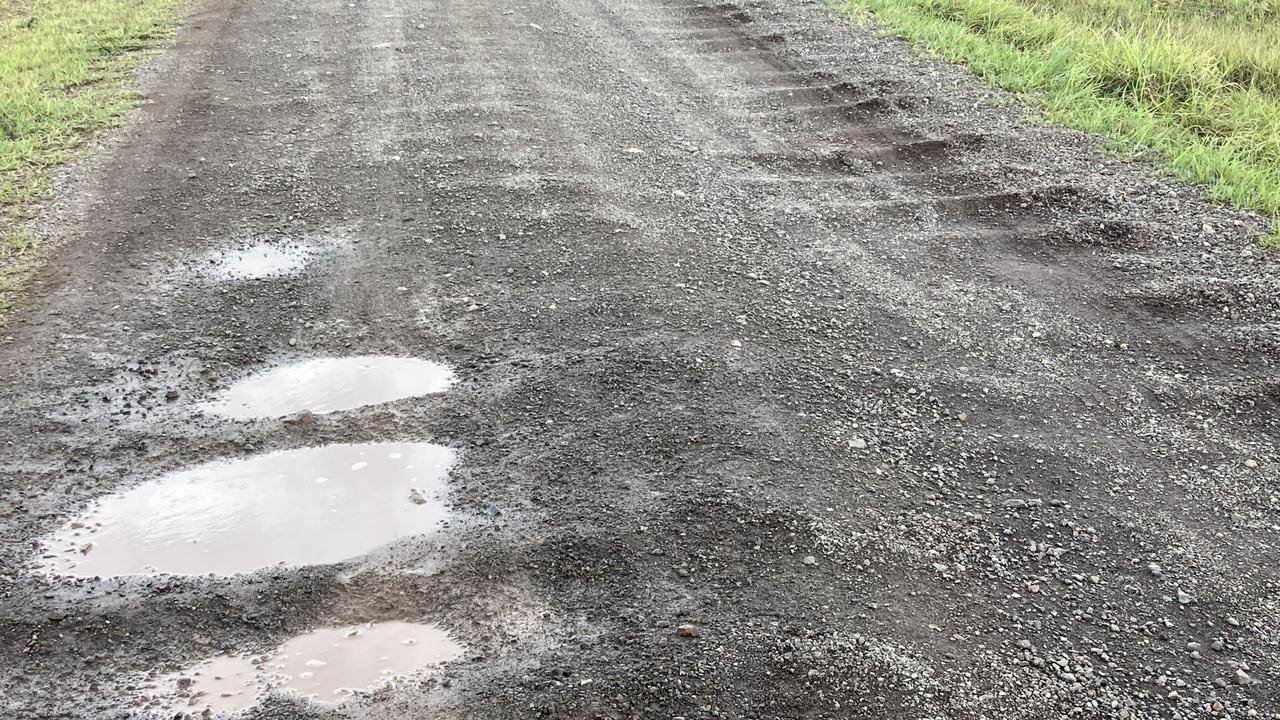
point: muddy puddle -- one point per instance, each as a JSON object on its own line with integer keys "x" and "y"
{"x": 325, "y": 665}
{"x": 326, "y": 385}
{"x": 258, "y": 261}
{"x": 296, "y": 507}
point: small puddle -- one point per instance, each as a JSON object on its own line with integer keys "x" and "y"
{"x": 326, "y": 385}
{"x": 261, "y": 260}
{"x": 296, "y": 507}
{"x": 326, "y": 665}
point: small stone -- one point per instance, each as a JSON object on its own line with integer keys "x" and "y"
{"x": 1155, "y": 569}
{"x": 171, "y": 395}
{"x": 1015, "y": 503}
{"x": 689, "y": 631}
{"x": 1251, "y": 463}
{"x": 858, "y": 444}
{"x": 306, "y": 418}
{"x": 1024, "y": 644}
{"x": 810, "y": 560}
{"x": 1184, "y": 598}
{"x": 1242, "y": 677}
{"x": 1218, "y": 645}
{"x": 416, "y": 497}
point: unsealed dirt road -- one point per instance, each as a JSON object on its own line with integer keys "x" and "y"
{"x": 795, "y": 378}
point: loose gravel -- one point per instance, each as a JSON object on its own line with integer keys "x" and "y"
{"x": 797, "y": 376}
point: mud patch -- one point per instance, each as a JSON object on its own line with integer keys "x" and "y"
{"x": 326, "y": 665}
{"x": 325, "y": 385}
{"x": 296, "y": 507}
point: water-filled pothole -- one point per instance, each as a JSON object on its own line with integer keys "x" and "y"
{"x": 261, "y": 260}
{"x": 327, "y": 385}
{"x": 326, "y": 665}
{"x": 295, "y": 507}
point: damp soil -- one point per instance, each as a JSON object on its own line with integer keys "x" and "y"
{"x": 308, "y": 506}
{"x": 798, "y": 377}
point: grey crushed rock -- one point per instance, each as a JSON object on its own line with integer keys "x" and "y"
{"x": 666, "y": 359}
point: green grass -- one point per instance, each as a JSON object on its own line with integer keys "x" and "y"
{"x": 63, "y": 76}
{"x": 1195, "y": 81}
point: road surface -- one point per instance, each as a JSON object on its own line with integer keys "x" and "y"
{"x": 795, "y": 376}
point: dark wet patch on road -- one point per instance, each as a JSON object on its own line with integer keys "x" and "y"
{"x": 326, "y": 385}
{"x": 296, "y": 507}
{"x": 326, "y": 665}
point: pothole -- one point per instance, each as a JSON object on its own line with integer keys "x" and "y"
{"x": 296, "y": 507}
{"x": 261, "y": 260}
{"x": 325, "y": 665}
{"x": 326, "y": 385}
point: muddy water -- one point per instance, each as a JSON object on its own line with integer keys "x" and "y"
{"x": 296, "y": 507}
{"x": 263, "y": 260}
{"x": 326, "y": 665}
{"x": 330, "y": 384}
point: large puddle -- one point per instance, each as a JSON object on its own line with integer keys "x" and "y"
{"x": 296, "y": 507}
{"x": 325, "y": 665}
{"x": 329, "y": 384}
{"x": 261, "y": 260}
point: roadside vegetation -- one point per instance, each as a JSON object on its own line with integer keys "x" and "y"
{"x": 63, "y": 76}
{"x": 1196, "y": 81}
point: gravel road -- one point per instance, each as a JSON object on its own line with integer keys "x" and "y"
{"x": 796, "y": 376}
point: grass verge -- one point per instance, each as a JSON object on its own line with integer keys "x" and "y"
{"x": 63, "y": 76}
{"x": 1196, "y": 81}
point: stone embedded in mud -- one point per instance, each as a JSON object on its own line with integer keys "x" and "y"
{"x": 296, "y": 507}
{"x": 325, "y": 385}
{"x": 325, "y": 665}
